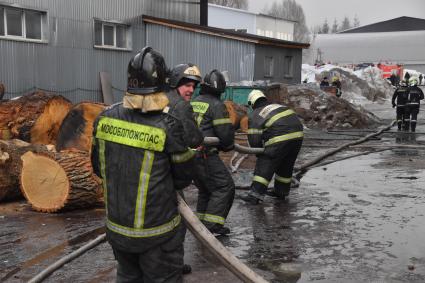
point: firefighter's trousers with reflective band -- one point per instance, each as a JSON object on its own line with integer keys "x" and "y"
{"x": 216, "y": 190}
{"x": 282, "y": 165}
{"x": 413, "y": 114}
{"x": 402, "y": 115}
{"x": 161, "y": 263}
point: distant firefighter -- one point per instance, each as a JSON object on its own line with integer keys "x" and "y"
{"x": 400, "y": 97}
{"x": 415, "y": 96}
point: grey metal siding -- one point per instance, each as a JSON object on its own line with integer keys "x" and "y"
{"x": 206, "y": 51}
{"x": 69, "y": 64}
{"x": 278, "y": 54}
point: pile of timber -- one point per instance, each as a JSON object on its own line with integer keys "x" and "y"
{"x": 34, "y": 118}
{"x": 51, "y": 179}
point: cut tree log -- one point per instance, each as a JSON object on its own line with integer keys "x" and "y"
{"x": 60, "y": 181}
{"x": 76, "y": 130}
{"x": 236, "y": 112}
{"x": 2, "y": 90}
{"x": 34, "y": 118}
{"x": 11, "y": 165}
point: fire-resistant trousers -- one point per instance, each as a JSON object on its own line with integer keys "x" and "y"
{"x": 413, "y": 111}
{"x": 160, "y": 264}
{"x": 401, "y": 115}
{"x": 281, "y": 165}
{"x": 216, "y": 190}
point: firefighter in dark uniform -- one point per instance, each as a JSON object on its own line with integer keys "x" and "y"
{"x": 278, "y": 129}
{"x": 182, "y": 83}
{"x": 139, "y": 152}
{"x": 215, "y": 184}
{"x": 413, "y": 103}
{"x": 401, "y": 95}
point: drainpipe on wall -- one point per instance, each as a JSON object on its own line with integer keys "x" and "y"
{"x": 204, "y": 13}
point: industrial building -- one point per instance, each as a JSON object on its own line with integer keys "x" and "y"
{"x": 396, "y": 41}
{"x": 66, "y": 46}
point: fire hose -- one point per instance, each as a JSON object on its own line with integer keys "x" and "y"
{"x": 232, "y": 263}
{"x": 198, "y": 229}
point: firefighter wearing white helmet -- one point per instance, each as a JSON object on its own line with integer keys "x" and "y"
{"x": 278, "y": 129}
{"x": 413, "y": 104}
{"x": 182, "y": 82}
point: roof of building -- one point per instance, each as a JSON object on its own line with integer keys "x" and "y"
{"x": 397, "y": 24}
{"x": 398, "y": 47}
{"x": 261, "y": 40}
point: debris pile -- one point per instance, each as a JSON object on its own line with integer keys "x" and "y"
{"x": 319, "y": 109}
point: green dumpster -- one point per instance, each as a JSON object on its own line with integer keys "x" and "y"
{"x": 239, "y": 94}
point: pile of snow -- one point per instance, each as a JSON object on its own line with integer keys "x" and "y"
{"x": 358, "y": 87}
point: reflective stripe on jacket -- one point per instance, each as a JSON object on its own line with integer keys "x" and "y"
{"x": 213, "y": 119}
{"x": 141, "y": 159}
{"x": 272, "y": 124}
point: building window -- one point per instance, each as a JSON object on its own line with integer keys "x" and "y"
{"x": 287, "y": 66}
{"x": 112, "y": 35}
{"x": 26, "y": 24}
{"x": 268, "y": 66}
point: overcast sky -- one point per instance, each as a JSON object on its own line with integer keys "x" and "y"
{"x": 367, "y": 11}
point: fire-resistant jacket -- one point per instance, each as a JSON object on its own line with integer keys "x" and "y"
{"x": 415, "y": 96}
{"x": 401, "y": 94}
{"x": 181, "y": 109}
{"x": 271, "y": 125}
{"x": 213, "y": 119}
{"x": 141, "y": 159}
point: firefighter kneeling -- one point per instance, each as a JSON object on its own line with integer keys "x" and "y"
{"x": 278, "y": 129}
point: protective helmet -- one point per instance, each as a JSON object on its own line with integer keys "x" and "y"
{"x": 413, "y": 82}
{"x": 214, "y": 83}
{"x": 334, "y": 79}
{"x": 184, "y": 71}
{"x": 146, "y": 72}
{"x": 254, "y": 95}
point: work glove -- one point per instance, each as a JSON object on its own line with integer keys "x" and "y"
{"x": 393, "y": 105}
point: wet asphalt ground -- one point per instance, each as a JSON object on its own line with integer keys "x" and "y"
{"x": 356, "y": 220}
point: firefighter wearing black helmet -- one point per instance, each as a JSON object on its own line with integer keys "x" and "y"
{"x": 141, "y": 156}
{"x": 215, "y": 184}
{"x": 400, "y": 97}
{"x": 278, "y": 129}
{"x": 182, "y": 82}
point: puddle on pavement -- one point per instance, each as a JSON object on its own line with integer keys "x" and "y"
{"x": 360, "y": 218}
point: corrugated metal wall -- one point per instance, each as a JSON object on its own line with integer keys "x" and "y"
{"x": 68, "y": 63}
{"x": 278, "y": 54}
{"x": 208, "y": 52}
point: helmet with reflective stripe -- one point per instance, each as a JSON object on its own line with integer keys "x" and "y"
{"x": 254, "y": 95}
{"x": 214, "y": 83}
{"x": 146, "y": 72}
{"x": 413, "y": 82}
{"x": 184, "y": 71}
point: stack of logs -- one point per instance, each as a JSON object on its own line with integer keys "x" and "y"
{"x": 44, "y": 151}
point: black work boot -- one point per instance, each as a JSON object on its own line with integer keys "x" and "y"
{"x": 275, "y": 194}
{"x": 220, "y": 230}
{"x": 252, "y": 198}
{"x": 186, "y": 269}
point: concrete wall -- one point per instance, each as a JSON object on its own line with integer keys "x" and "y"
{"x": 275, "y": 28}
